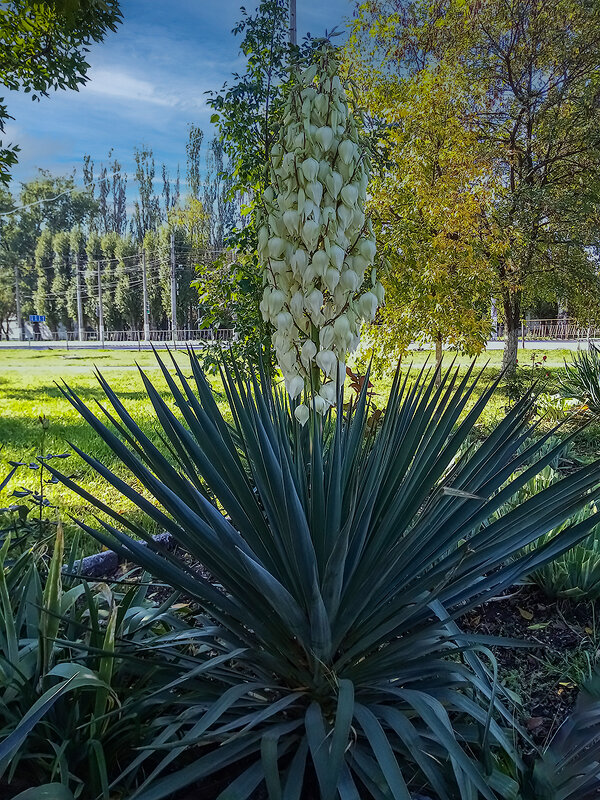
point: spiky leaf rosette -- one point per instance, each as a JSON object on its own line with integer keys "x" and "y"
{"x": 342, "y": 556}
{"x": 314, "y": 239}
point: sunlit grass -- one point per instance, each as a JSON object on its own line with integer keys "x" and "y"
{"x": 28, "y": 390}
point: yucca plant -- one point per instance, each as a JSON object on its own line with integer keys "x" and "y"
{"x": 581, "y": 380}
{"x": 342, "y": 557}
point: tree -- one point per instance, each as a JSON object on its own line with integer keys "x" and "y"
{"x": 246, "y": 113}
{"x": 128, "y": 279}
{"x": 219, "y": 198}
{"x": 7, "y": 300}
{"x": 147, "y": 215}
{"x": 108, "y": 264}
{"x": 54, "y": 204}
{"x": 94, "y": 256}
{"x": 248, "y": 116}
{"x": 44, "y": 300}
{"x": 8, "y": 258}
{"x": 156, "y": 254}
{"x": 63, "y": 276}
{"x": 533, "y": 73}
{"x": 45, "y": 47}
{"x": 112, "y": 194}
{"x": 429, "y": 199}
{"x": 193, "y": 149}
{"x": 78, "y": 254}
{"x": 170, "y": 193}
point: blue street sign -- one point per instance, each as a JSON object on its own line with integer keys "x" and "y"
{"x": 37, "y": 318}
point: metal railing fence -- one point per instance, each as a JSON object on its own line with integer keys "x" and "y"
{"x": 552, "y": 330}
{"x": 208, "y": 335}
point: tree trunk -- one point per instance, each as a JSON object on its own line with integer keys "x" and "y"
{"x": 512, "y": 313}
{"x": 438, "y": 359}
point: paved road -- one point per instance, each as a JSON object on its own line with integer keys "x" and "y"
{"x": 534, "y": 344}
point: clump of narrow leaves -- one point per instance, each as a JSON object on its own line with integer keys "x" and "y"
{"x": 581, "y": 379}
{"x": 76, "y": 675}
{"x": 343, "y": 555}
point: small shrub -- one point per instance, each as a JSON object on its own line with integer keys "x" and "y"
{"x": 582, "y": 378}
{"x": 576, "y": 572}
{"x": 555, "y": 407}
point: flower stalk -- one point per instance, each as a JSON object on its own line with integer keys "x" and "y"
{"x": 315, "y": 241}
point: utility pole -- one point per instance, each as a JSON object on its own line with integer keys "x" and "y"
{"x": 100, "y": 310}
{"x": 293, "y": 32}
{"x": 173, "y": 291}
{"x": 80, "y": 331}
{"x": 18, "y": 302}
{"x": 145, "y": 298}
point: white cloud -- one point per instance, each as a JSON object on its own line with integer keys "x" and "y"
{"x": 120, "y": 85}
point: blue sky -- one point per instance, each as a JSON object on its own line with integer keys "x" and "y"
{"x": 147, "y": 82}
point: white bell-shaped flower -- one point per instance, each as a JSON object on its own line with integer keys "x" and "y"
{"x": 334, "y": 183}
{"x": 324, "y": 137}
{"x": 349, "y": 195}
{"x": 336, "y": 256}
{"x": 308, "y": 277}
{"x": 307, "y": 352}
{"x": 310, "y": 234}
{"x": 284, "y": 322}
{"x": 327, "y": 359}
{"x": 276, "y": 247}
{"x": 326, "y": 336}
{"x": 294, "y": 386}
{"x": 310, "y": 169}
{"x": 324, "y": 170}
{"x": 320, "y": 404}
{"x": 314, "y": 190}
{"x": 302, "y": 414}
{"x": 367, "y": 306}
{"x": 367, "y": 249}
{"x": 291, "y": 220}
{"x": 320, "y": 262}
{"x": 296, "y": 305}
{"x": 341, "y": 326}
{"x": 328, "y": 393}
{"x": 346, "y": 151}
{"x": 345, "y": 216}
{"x": 349, "y": 280}
{"x": 314, "y": 301}
{"x": 331, "y": 279}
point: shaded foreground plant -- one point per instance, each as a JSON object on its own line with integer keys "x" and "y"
{"x": 343, "y": 554}
{"x": 75, "y": 666}
{"x": 569, "y": 768}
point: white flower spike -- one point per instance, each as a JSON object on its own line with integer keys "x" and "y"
{"x": 314, "y": 241}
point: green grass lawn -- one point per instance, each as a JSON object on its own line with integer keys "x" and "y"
{"x": 28, "y": 390}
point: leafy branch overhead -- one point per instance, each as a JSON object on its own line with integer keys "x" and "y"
{"x": 43, "y": 46}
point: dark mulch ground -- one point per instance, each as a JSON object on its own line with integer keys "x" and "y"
{"x": 564, "y": 639}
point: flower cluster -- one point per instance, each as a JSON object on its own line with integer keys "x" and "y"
{"x": 317, "y": 246}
